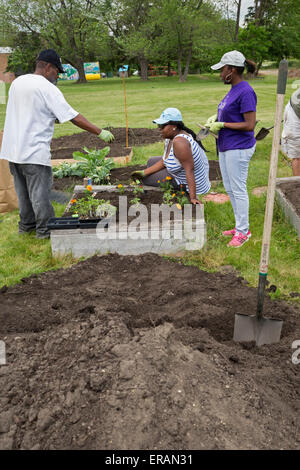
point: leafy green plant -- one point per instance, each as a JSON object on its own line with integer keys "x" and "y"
{"x": 91, "y": 159}
{"x": 137, "y": 187}
{"x": 64, "y": 169}
{"x": 135, "y": 201}
{"x": 182, "y": 198}
{"x": 90, "y": 164}
{"x": 84, "y": 207}
{"x": 88, "y": 206}
{"x": 168, "y": 190}
{"x": 121, "y": 189}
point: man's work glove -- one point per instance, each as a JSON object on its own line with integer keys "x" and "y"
{"x": 211, "y": 119}
{"x": 214, "y": 127}
{"x": 137, "y": 175}
{"x": 106, "y": 136}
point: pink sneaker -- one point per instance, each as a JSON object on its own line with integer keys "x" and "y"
{"x": 229, "y": 233}
{"x": 239, "y": 239}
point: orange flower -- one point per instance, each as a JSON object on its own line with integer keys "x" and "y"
{"x": 168, "y": 178}
{"x": 120, "y": 186}
{"x": 182, "y": 192}
{"x": 73, "y": 201}
{"x": 89, "y": 187}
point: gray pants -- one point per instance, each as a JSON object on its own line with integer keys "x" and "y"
{"x": 151, "y": 180}
{"x": 33, "y": 184}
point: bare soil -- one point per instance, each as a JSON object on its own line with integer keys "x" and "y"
{"x": 136, "y": 352}
{"x": 291, "y": 190}
{"x": 122, "y": 175}
{"x": 63, "y": 147}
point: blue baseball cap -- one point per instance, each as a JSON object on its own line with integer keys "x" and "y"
{"x": 169, "y": 114}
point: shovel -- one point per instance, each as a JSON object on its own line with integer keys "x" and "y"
{"x": 204, "y": 133}
{"x": 256, "y": 327}
{"x": 264, "y": 131}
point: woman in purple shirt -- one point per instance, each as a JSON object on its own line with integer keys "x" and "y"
{"x": 235, "y": 124}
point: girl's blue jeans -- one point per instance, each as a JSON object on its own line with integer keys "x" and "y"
{"x": 234, "y": 166}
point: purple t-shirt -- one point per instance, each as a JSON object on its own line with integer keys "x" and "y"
{"x": 240, "y": 99}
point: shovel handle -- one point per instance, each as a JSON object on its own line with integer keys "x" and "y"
{"x": 264, "y": 259}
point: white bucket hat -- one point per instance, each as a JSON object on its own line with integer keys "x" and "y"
{"x": 235, "y": 58}
{"x": 295, "y": 102}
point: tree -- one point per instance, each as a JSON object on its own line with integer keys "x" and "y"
{"x": 22, "y": 59}
{"x": 132, "y": 28}
{"x": 254, "y": 43}
{"x": 280, "y": 19}
{"x": 65, "y": 25}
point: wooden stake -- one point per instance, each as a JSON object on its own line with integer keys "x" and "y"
{"x": 125, "y": 110}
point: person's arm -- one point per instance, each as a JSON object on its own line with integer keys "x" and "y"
{"x": 154, "y": 168}
{"x": 183, "y": 152}
{"x": 83, "y": 123}
{"x": 247, "y": 126}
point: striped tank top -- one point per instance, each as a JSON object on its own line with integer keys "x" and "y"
{"x": 201, "y": 165}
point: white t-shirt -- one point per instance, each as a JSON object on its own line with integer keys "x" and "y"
{"x": 290, "y": 137}
{"x": 33, "y": 105}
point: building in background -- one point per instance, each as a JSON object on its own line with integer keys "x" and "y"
{"x": 6, "y": 77}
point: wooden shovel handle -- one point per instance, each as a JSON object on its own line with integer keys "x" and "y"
{"x": 264, "y": 259}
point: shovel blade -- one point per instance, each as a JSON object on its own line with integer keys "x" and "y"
{"x": 261, "y": 330}
{"x": 262, "y": 134}
{"x": 202, "y": 134}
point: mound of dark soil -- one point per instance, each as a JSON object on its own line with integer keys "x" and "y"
{"x": 63, "y": 147}
{"x": 137, "y": 353}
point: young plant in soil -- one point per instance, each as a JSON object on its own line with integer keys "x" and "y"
{"x": 170, "y": 197}
{"x": 121, "y": 189}
{"x": 135, "y": 201}
{"x": 90, "y": 164}
{"x": 89, "y": 207}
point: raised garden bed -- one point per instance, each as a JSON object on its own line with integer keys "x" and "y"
{"x": 122, "y": 175}
{"x": 136, "y": 229}
{"x": 288, "y": 196}
{"x": 62, "y": 148}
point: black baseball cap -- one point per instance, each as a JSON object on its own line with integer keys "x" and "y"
{"x": 49, "y": 55}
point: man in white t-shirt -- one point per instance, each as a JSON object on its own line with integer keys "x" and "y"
{"x": 290, "y": 138}
{"x": 34, "y": 103}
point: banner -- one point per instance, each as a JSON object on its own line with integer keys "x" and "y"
{"x": 91, "y": 70}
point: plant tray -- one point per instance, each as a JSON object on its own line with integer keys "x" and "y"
{"x": 63, "y": 223}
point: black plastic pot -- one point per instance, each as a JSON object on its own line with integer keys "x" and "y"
{"x": 63, "y": 223}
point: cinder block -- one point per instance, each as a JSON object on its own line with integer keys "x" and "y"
{"x": 288, "y": 208}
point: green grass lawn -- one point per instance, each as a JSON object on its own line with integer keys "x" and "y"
{"x": 103, "y": 103}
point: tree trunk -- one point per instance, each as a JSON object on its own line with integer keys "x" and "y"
{"x": 187, "y": 64}
{"x": 169, "y": 69}
{"x": 179, "y": 65}
{"x": 144, "y": 68}
{"x": 80, "y": 69}
{"x": 237, "y": 23}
